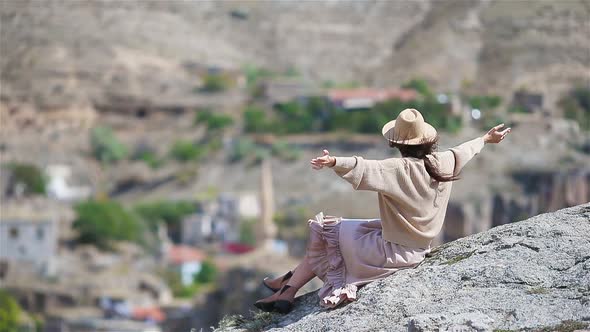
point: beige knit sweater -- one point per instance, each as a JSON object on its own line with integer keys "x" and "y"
{"x": 411, "y": 204}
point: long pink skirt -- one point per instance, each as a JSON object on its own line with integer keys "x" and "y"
{"x": 348, "y": 253}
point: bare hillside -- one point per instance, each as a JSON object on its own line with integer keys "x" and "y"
{"x": 60, "y": 52}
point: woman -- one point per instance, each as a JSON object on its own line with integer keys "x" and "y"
{"x": 413, "y": 193}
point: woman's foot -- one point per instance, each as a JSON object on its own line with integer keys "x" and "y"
{"x": 277, "y": 283}
{"x": 281, "y": 301}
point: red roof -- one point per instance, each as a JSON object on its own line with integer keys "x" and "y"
{"x": 340, "y": 95}
{"x": 152, "y": 313}
{"x": 184, "y": 254}
{"x": 237, "y": 248}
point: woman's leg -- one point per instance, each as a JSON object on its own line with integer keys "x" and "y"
{"x": 301, "y": 276}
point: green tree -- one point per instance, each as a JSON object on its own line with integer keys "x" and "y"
{"x": 9, "y": 313}
{"x": 207, "y": 274}
{"x": 285, "y": 151}
{"x": 151, "y": 159}
{"x": 242, "y": 148}
{"x": 211, "y": 120}
{"x": 296, "y": 117}
{"x": 576, "y": 106}
{"x": 173, "y": 280}
{"x": 105, "y": 146}
{"x": 582, "y": 96}
{"x": 186, "y": 151}
{"x": 420, "y": 85}
{"x": 484, "y": 102}
{"x": 255, "y": 120}
{"x": 102, "y": 222}
{"x": 148, "y": 155}
{"x": 214, "y": 83}
{"x": 169, "y": 212}
{"x": 254, "y": 74}
{"x": 29, "y": 175}
{"x": 292, "y": 119}
{"x": 247, "y": 235}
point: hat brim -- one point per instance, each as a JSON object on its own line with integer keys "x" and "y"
{"x": 429, "y": 134}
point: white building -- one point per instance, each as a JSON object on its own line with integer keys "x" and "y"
{"x": 187, "y": 261}
{"x": 219, "y": 220}
{"x": 27, "y": 237}
{"x": 59, "y": 188}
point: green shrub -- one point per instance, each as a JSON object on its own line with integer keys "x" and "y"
{"x": 214, "y": 144}
{"x": 297, "y": 117}
{"x": 169, "y": 212}
{"x": 260, "y": 154}
{"x": 102, "y": 222}
{"x": 316, "y": 114}
{"x": 255, "y": 74}
{"x": 241, "y": 149}
{"x": 453, "y": 124}
{"x": 105, "y": 146}
{"x": 173, "y": 280}
{"x": 186, "y": 151}
{"x": 292, "y": 118}
{"x": 151, "y": 159}
{"x": 434, "y": 113}
{"x": 517, "y": 109}
{"x": 207, "y": 274}
{"x": 147, "y": 154}
{"x": 214, "y": 83}
{"x": 420, "y": 85}
{"x": 247, "y": 232}
{"x": 285, "y": 151}
{"x": 484, "y": 102}
{"x": 30, "y": 176}
{"x": 213, "y": 121}
{"x": 576, "y": 106}
{"x": 186, "y": 175}
{"x": 248, "y": 151}
{"x": 9, "y": 313}
{"x": 255, "y": 120}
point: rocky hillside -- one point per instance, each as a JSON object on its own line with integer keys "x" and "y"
{"x": 531, "y": 275}
{"x": 61, "y": 52}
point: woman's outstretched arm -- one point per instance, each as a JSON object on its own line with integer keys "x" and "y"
{"x": 495, "y": 135}
{"x": 361, "y": 173}
{"x": 457, "y": 157}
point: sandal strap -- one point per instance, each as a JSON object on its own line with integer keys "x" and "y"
{"x": 287, "y": 276}
{"x": 284, "y": 288}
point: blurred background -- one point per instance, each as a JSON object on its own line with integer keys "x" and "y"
{"x": 155, "y": 155}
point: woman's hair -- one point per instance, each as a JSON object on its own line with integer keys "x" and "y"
{"x": 420, "y": 151}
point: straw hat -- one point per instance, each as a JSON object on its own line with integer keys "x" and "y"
{"x": 408, "y": 128}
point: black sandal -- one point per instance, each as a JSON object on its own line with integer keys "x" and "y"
{"x": 265, "y": 306}
{"x": 287, "y": 276}
{"x": 282, "y": 306}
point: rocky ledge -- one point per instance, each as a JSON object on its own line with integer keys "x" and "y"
{"x": 530, "y": 275}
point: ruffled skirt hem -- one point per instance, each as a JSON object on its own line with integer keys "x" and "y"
{"x": 327, "y": 262}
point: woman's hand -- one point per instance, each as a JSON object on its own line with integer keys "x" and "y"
{"x": 325, "y": 160}
{"x": 494, "y": 135}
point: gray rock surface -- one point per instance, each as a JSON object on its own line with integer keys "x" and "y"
{"x": 527, "y": 275}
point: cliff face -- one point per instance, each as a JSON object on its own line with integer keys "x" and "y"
{"x": 530, "y": 274}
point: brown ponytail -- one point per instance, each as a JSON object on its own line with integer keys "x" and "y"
{"x": 420, "y": 151}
